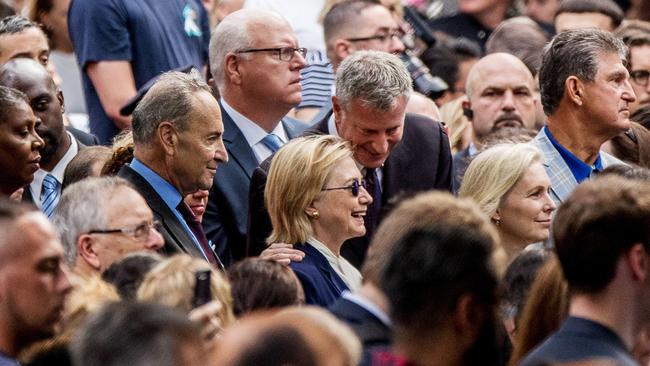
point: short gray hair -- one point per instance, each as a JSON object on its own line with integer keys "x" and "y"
{"x": 574, "y": 53}
{"x": 82, "y": 208}
{"x": 229, "y": 36}
{"x": 171, "y": 99}
{"x": 376, "y": 78}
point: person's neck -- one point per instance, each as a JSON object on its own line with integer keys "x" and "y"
{"x": 265, "y": 116}
{"x": 62, "y": 149}
{"x": 157, "y": 162}
{"x": 8, "y": 343}
{"x": 569, "y": 132}
{"x": 511, "y": 244}
{"x": 490, "y": 18}
{"x": 426, "y": 350}
{"x": 609, "y": 311}
{"x": 329, "y": 239}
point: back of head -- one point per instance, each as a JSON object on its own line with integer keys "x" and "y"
{"x": 10, "y": 211}
{"x": 373, "y": 77}
{"x": 127, "y": 273}
{"x": 138, "y": 334}
{"x": 82, "y": 208}
{"x": 596, "y": 225}
{"x": 573, "y": 53}
{"x": 608, "y": 8}
{"x": 518, "y": 280}
{"x": 258, "y": 284}
{"x": 9, "y": 97}
{"x": 171, "y": 282}
{"x": 298, "y": 173}
{"x": 170, "y": 99}
{"x": 87, "y": 163}
{"x": 634, "y": 33}
{"x": 493, "y": 172}
{"x": 430, "y": 272}
{"x": 633, "y": 146}
{"x": 422, "y": 212}
{"x": 521, "y": 37}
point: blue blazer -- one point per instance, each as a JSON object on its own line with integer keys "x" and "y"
{"x": 322, "y": 285}
{"x": 226, "y": 216}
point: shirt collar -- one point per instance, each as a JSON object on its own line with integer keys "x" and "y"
{"x": 579, "y": 168}
{"x": 252, "y": 132}
{"x": 165, "y": 190}
{"x": 59, "y": 169}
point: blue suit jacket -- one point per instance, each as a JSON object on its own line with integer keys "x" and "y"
{"x": 562, "y": 180}
{"x": 322, "y": 285}
{"x": 226, "y": 216}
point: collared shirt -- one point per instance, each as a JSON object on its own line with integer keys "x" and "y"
{"x": 370, "y": 307}
{"x": 331, "y": 128}
{"x": 579, "y": 168}
{"x": 167, "y": 192}
{"x": 8, "y": 361}
{"x": 343, "y": 268}
{"x": 253, "y": 133}
{"x": 59, "y": 169}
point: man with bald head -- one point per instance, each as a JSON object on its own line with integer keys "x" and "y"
{"x": 256, "y": 61}
{"x": 46, "y": 100}
{"x": 500, "y": 92}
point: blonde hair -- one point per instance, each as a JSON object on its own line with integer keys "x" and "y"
{"x": 171, "y": 283}
{"x": 452, "y": 113}
{"x": 298, "y": 172}
{"x": 492, "y": 174}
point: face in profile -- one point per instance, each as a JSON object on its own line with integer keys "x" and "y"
{"x": 341, "y": 211}
{"x": 29, "y": 43}
{"x": 525, "y": 211}
{"x": 639, "y": 74}
{"x": 197, "y": 202}
{"x": 373, "y": 133}
{"x": 33, "y": 284}
{"x": 20, "y": 148}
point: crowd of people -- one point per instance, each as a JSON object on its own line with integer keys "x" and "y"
{"x": 324, "y": 182}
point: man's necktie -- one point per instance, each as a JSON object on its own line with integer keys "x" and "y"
{"x": 374, "y": 188}
{"x": 49, "y": 195}
{"x": 272, "y": 142}
{"x": 197, "y": 230}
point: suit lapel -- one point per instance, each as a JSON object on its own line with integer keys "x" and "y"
{"x": 562, "y": 180}
{"x": 325, "y": 268}
{"x": 239, "y": 152}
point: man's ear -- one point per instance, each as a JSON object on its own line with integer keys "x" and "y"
{"x": 87, "y": 251}
{"x": 343, "y": 48}
{"x": 467, "y": 110}
{"x": 468, "y": 318}
{"x": 574, "y": 89}
{"x": 637, "y": 258}
{"x": 59, "y": 96}
{"x": 231, "y": 69}
{"x": 168, "y": 137}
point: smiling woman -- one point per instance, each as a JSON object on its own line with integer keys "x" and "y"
{"x": 316, "y": 198}
{"x": 511, "y": 186}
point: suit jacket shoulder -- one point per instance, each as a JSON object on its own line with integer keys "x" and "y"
{"x": 177, "y": 239}
{"x": 84, "y": 138}
{"x": 371, "y": 330}
{"x": 321, "y": 284}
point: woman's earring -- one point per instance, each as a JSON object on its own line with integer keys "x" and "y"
{"x": 313, "y": 214}
{"x": 497, "y": 221}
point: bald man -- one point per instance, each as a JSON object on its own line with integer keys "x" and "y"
{"x": 500, "y": 91}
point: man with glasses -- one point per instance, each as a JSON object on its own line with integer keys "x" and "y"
{"x": 256, "y": 61}
{"x": 102, "y": 219}
{"x": 637, "y": 39}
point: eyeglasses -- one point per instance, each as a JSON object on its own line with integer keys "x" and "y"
{"x": 354, "y": 187}
{"x": 383, "y": 38}
{"x": 640, "y": 77}
{"x": 284, "y": 53}
{"x": 140, "y": 232}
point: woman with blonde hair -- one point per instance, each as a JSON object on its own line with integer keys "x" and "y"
{"x": 510, "y": 185}
{"x": 316, "y": 199}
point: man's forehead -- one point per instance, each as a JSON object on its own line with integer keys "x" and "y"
{"x": 376, "y": 17}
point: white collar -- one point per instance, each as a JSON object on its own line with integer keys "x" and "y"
{"x": 58, "y": 171}
{"x": 252, "y": 132}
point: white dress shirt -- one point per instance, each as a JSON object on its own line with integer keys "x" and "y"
{"x": 350, "y": 275}
{"x": 59, "y": 169}
{"x": 254, "y": 134}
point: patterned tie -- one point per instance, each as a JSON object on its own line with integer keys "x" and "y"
{"x": 49, "y": 195}
{"x": 272, "y": 142}
{"x": 374, "y": 188}
{"x": 197, "y": 230}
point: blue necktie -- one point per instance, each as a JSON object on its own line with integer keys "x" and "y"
{"x": 49, "y": 195}
{"x": 272, "y": 142}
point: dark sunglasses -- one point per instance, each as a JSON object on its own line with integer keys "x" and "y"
{"x": 354, "y": 187}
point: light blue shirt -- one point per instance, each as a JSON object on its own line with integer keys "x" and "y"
{"x": 167, "y": 192}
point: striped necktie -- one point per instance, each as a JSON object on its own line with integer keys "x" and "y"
{"x": 49, "y": 195}
{"x": 272, "y": 142}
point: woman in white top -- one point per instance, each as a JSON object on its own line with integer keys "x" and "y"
{"x": 316, "y": 199}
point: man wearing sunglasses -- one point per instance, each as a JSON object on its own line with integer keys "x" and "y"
{"x": 256, "y": 61}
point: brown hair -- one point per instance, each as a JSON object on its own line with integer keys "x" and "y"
{"x": 633, "y": 146}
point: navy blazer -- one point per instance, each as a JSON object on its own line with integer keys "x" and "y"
{"x": 420, "y": 162}
{"x": 322, "y": 285}
{"x": 226, "y": 215}
{"x": 371, "y": 330}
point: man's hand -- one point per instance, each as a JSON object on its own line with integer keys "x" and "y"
{"x": 282, "y": 253}
{"x": 207, "y": 316}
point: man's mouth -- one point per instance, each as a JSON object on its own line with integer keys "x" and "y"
{"x": 509, "y": 121}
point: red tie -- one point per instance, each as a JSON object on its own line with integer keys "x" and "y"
{"x": 197, "y": 230}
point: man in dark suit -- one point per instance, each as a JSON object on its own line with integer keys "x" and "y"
{"x": 46, "y": 100}
{"x": 500, "y": 92}
{"x": 602, "y": 241}
{"x": 399, "y": 154}
{"x": 256, "y": 62}
{"x": 177, "y": 132}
